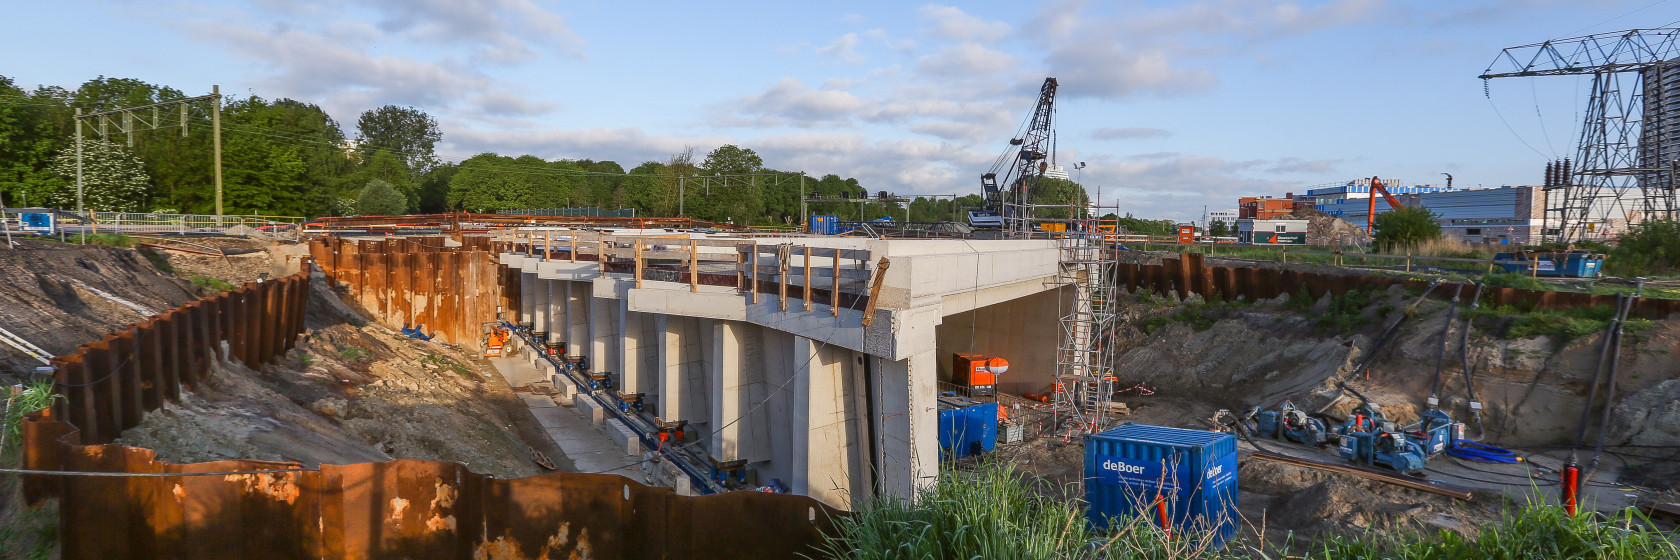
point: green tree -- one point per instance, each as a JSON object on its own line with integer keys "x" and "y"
{"x": 1139, "y": 226}
{"x": 678, "y": 171}
{"x": 1406, "y": 227}
{"x": 1053, "y": 191}
{"x": 434, "y": 189}
{"x": 406, "y": 132}
{"x": 488, "y": 183}
{"x": 1218, "y": 229}
{"x": 643, "y": 190}
{"x": 33, "y": 127}
{"x": 378, "y": 198}
{"x": 112, "y": 178}
{"x": 733, "y": 198}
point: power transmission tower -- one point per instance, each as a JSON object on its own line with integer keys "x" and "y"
{"x": 140, "y": 118}
{"x": 1628, "y": 137}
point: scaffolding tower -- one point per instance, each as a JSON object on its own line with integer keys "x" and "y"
{"x": 1084, "y": 388}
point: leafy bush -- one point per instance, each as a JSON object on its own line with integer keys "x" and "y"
{"x": 210, "y": 284}
{"x": 1534, "y": 531}
{"x": 379, "y": 198}
{"x": 1406, "y": 227}
{"x": 1649, "y": 249}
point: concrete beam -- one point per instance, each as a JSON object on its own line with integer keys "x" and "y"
{"x": 739, "y": 431}
{"x": 604, "y": 334}
{"x": 540, "y": 309}
{"x": 577, "y": 319}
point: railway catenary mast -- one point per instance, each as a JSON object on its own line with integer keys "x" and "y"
{"x": 1011, "y": 209}
{"x": 1627, "y": 136}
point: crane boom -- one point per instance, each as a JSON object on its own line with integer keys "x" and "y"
{"x": 1371, "y": 212}
{"x": 1007, "y": 201}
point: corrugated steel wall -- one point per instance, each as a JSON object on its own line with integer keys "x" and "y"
{"x": 110, "y": 384}
{"x": 394, "y": 509}
{"x": 448, "y": 292}
{"x": 1189, "y": 274}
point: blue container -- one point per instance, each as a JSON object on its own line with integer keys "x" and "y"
{"x": 36, "y": 222}
{"x": 966, "y": 427}
{"x": 1127, "y": 469}
{"x": 1573, "y": 265}
{"x": 825, "y": 225}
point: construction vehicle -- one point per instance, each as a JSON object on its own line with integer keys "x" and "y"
{"x": 1022, "y": 165}
{"x": 495, "y": 340}
{"x": 1288, "y": 423}
{"x": 1368, "y": 437}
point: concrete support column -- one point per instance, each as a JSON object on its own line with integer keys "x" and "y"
{"x": 739, "y": 431}
{"x": 577, "y": 318}
{"x": 604, "y": 333}
{"x": 633, "y": 365}
{"x": 556, "y": 310}
{"x": 829, "y": 463}
{"x": 678, "y": 364}
{"x": 908, "y": 422}
{"x": 540, "y": 317}
{"x": 527, "y": 283}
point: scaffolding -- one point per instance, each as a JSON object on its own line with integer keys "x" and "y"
{"x": 1083, "y": 393}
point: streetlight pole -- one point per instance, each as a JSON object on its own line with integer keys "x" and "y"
{"x": 680, "y": 180}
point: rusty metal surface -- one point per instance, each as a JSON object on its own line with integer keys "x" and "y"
{"x": 393, "y": 509}
{"x": 448, "y": 292}
{"x": 1189, "y": 274}
{"x": 109, "y": 385}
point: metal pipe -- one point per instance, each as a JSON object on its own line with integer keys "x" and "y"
{"x": 1464, "y": 357}
{"x": 1592, "y": 391}
{"x": 1610, "y": 385}
{"x": 1440, "y": 356}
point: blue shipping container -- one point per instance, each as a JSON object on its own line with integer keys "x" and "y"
{"x": 1195, "y": 471}
{"x": 825, "y": 225}
{"x": 966, "y": 427}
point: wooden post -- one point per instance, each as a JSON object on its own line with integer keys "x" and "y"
{"x": 834, "y": 287}
{"x": 638, "y": 263}
{"x": 573, "y": 236}
{"x": 782, "y": 255}
{"x": 740, "y": 262}
{"x": 548, "y": 243}
{"x": 1490, "y": 265}
{"x": 693, "y": 266}
{"x": 807, "y": 279}
{"x": 1408, "y": 261}
{"x": 1286, "y": 254}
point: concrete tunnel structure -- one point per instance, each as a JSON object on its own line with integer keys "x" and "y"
{"x": 801, "y": 391}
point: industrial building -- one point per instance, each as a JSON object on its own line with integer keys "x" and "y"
{"x": 1272, "y": 232}
{"x": 1264, "y": 207}
{"x": 788, "y": 387}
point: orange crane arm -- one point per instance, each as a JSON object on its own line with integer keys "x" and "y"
{"x": 1377, "y": 187}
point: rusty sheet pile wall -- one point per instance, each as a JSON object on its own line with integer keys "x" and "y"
{"x": 394, "y": 509}
{"x": 110, "y": 384}
{"x": 447, "y": 292}
{"x": 1189, "y": 274}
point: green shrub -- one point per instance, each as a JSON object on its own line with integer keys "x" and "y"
{"x": 1534, "y": 531}
{"x": 1648, "y": 249}
{"x": 210, "y": 284}
{"x": 160, "y": 262}
{"x": 351, "y": 353}
{"x": 110, "y": 240}
{"x": 1405, "y": 227}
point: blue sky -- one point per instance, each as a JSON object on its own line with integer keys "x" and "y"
{"x": 1173, "y": 105}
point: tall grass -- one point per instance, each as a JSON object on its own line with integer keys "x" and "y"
{"x": 36, "y": 396}
{"x": 994, "y": 512}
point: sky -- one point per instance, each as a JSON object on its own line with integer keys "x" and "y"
{"x": 1173, "y": 106}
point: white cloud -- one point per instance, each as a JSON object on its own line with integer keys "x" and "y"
{"x": 965, "y": 60}
{"x": 948, "y": 22}
{"x": 507, "y": 104}
{"x": 1110, "y": 133}
{"x": 1104, "y": 68}
{"x": 843, "y": 49}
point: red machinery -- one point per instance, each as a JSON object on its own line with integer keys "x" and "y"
{"x": 978, "y": 373}
{"x": 1371, "y": 212}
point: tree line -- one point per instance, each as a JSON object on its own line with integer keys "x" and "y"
{"x": 289, "y": 157}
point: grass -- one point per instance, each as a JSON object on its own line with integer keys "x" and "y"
{"x": 1562, "y": 325}
{"x": 994, "y": 511}
{"x": 444, "y": 363}
{"x": 351, "y": 353}
{"x": 209, "y": 284}
{"x": 1200, "y": 314}
{"x": 1345, "y": 312}
{"x": 36, "y": 396}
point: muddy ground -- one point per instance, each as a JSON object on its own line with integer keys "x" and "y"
{"x": 1197, "y": 359}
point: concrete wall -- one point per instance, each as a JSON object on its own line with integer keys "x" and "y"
{"x": 1000, "y": 330}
